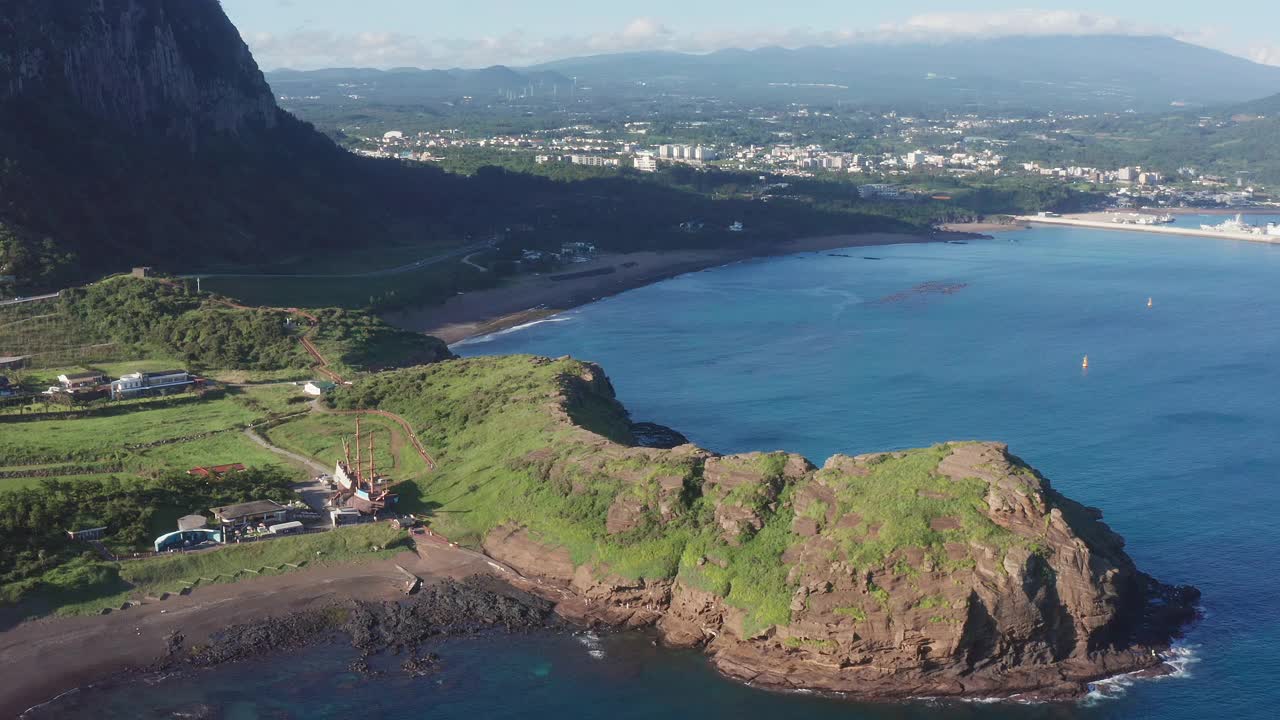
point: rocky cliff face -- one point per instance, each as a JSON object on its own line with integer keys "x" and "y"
{"x": 951, "y": 571}
{"x": 176, "y": 67}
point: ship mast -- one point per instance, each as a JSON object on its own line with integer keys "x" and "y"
{"x": 372, "y": 474}
{"x": 356, "y": 470}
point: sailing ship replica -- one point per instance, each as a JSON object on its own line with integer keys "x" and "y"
{"x": 359, "y": 487}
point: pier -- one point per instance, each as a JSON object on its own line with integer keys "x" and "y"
{"x": 1101, "y": 221}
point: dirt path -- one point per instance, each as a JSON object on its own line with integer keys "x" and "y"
{"x": 404, "y": 425}
{"x": 42, "y": 659}
{"x": 469, "y": 249}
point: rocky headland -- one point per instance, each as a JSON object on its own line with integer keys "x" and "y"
{"x": 956, "y": 570}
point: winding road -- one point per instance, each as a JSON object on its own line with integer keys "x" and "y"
{"x": 464, "y": 251}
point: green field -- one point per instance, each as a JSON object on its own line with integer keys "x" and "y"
{"x": 209, "y": 433}
{"x": 320, "y": 437}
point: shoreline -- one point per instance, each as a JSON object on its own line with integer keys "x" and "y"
{"x": 46, "y": 658}
{"x": 534, "y": 297}
{"x": 562, "y": 608}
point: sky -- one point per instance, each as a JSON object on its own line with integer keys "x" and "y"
{"x": 309, "y": 34}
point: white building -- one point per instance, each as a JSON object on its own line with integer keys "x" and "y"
{"x": 595, "y": 161}
{"x": 393, "y": 135}
{"x": 137, "y": 384}
{"x": 646, "y": 163}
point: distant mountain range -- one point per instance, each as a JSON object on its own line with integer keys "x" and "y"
{"x": 1060, "y": 73}
{"x": 409, "y": 85}
{"x": 1068, "y": 73}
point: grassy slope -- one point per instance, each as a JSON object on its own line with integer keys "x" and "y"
{"x": 503, "y": 457}
{"x": 320, "y": 437}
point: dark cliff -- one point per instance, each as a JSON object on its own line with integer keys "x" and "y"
{"x": 174, "y": 67}
{"x": 143, "y": 132}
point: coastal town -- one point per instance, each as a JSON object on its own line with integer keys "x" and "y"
{"x": 922, "y": 152}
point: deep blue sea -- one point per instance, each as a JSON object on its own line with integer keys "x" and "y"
{"x": 1172, "y": 431}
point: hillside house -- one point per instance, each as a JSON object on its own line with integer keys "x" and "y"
{"x": 81, "y": 381}
{"x": 142, "y": 384}
{"x": 251, "y": 513}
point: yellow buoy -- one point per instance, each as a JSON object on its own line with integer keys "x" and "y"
{"x": 1085, "y": 365}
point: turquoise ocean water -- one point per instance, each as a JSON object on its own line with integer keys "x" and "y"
{"x": 1172, "y": 431}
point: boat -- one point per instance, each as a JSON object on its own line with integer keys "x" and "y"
{"x": 1142, "y": 219}
{"x": 1150, "y": 302}
{"x": 1238, "y": 226}
{"x": 1085, "y": 364}
{"x": 364, "y": 491}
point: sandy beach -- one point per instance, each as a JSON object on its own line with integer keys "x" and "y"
{"x": 45, "y": 658}
{"x": 532, "y": 297}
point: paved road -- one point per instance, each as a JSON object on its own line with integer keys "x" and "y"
{"x": 19, "y": 301}
{"x": 408, "y": 267}
{"x": 314, "y": 492}
{"x": 467, "y": 261}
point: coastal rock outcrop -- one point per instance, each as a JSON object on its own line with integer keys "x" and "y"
{"x": 955, "y": 570}
{"x": 952, "y": 570}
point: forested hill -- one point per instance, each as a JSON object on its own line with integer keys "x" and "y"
{"x": 143, "y": 132}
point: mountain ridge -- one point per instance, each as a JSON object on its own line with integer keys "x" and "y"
{"x": 1104, "y": 71}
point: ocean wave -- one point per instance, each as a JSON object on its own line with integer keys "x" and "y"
{"x": 592, "y": 642}
{"x": 490, "y": 337}
{"x": 1179, "y": 658}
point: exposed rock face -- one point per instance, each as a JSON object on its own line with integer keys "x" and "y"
{"x": 950, "y": 571}
{"x": 173, "y": 67}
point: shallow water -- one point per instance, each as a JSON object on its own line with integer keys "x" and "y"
{"x": 1171, "y": 431}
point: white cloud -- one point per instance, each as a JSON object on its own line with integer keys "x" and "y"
{"x": 312, "y": 49}
{"x": 1268, "y": 55}
{"x": 1018, "y": 22}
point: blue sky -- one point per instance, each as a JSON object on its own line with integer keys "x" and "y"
{"x": 388, "y": 33}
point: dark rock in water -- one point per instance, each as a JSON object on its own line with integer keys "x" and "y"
{"x": 428, "y": 664}
{"x": 653, "y": 435}
{"x": 173, "y": 643}
{"x": 449, "y": 608}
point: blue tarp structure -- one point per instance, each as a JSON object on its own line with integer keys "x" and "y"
{"x": 186, "y": 539}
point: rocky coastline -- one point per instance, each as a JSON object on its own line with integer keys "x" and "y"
{"x": 451, "y": 608}
{"x": 486, "y": 604}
